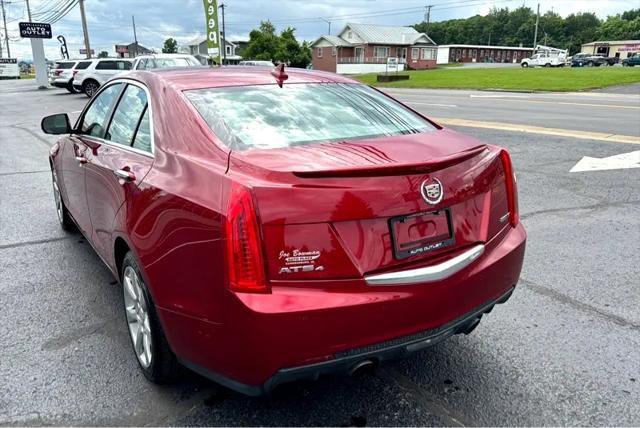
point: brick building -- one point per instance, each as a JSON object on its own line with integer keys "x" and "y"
{"x": 364, "y": 48}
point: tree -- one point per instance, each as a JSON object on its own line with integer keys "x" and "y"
{"x": 103, "y": 54}
{"x": 170, "y": 46}
{"x": 265, "y": 44}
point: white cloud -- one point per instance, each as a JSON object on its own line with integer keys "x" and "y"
{"x": 109, "y": 21}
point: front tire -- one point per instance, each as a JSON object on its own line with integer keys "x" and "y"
{"x": 63, "y": 215}
{"x": 524, "y": 65}
{"x": 155, "y": 358}
{"x": 71, "y": 89}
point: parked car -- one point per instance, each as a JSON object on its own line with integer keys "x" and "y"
{"x": 631, "y": 61}
{"x": 588, "y": 60}
{"x": 256, "y": 63}
{"x": 335, "y": 229}
{"x": 62, "y": 73}
{"x": 98, "y": 72}
{"x": 147, "y": 62}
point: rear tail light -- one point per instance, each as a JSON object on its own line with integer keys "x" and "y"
{"x": 244, "y": 250}
{"x": 57, "y": 72}
{"x": 74, "y": 73}
{"x": 512, "y": 190}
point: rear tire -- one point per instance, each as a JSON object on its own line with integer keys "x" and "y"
{"x": 547, "y": 65}
{"x": 90, "y": 87}
{"x": 155, "y": 358}
{"x": 524, "y": 65}
{"x": 590, "y": 64}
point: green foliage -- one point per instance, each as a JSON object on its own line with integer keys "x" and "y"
{"x": 265, "y": 44}
{"x": 519, "y": 79}
{"x": 170, "y": 46}
{"x": 103, "y": 54}
{"x": 516, "y": 27}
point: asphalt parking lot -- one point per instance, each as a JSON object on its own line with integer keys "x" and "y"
{"x": 565, "y": 350}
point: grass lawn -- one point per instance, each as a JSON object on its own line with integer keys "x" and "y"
{"x": 524, "y": 79}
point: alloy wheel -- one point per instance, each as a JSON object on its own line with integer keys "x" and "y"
{"x": 91, "y": 89}
{"x": 137, "y": 311}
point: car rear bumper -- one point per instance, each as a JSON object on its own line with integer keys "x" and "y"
{"x": 60, "y": 83}
{"x": 350, "y": 361}
{"x": 303, "y": 330}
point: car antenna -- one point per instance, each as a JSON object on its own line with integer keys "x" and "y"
{"x": 279, "y": 74}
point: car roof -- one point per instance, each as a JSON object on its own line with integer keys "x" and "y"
{"x": 215, "y": 77}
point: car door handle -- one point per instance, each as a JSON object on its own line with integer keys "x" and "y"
{"x": 81, "y": 159}
{"x": 125, "y": 175}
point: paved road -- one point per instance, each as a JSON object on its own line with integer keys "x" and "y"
{"x": 615, "y": 113}
{"x": 563, "y": 351}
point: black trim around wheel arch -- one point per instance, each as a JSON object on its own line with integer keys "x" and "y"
{"x": 344, "y": 361}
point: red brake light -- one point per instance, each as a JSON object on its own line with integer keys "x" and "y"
{"x": 244, "y": 254}
{"x": 512, "y": 189}
{"x": 75, "y": 72}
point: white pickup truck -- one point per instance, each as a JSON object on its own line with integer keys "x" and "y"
{"x": 546, "y": 57}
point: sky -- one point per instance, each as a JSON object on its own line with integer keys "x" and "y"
{"x": 109, "y": 21}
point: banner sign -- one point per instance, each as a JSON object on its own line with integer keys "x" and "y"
{"x": 9, "y": 67}
{"x": 213, "y": 33}
{"x": 35, "y": 30}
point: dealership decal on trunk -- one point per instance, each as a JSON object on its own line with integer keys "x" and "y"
{"x": 300, "y": 261}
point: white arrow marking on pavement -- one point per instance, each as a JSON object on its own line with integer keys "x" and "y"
{"x": 621, "y": 161}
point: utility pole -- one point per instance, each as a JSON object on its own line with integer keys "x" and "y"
{"x": 135, "y": 37}
{"x": 535, "y": 35}
{"x": 6, "y": 34}
{"x": 28, "y": 10}
{"x": 84, "y": 29}
{"x": 224, "y": 36}
{"x": 427, "y": 17}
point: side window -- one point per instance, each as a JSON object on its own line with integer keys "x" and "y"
{"x": 127, "y": 115}
{"x": 142, "y": 64}
{"x": 142, "y": 140}
{"x": 83, "y": 65}
{"x": 124, "y": 65}
{"x": 96, "y": 116}
{"x": 106, "y": 65}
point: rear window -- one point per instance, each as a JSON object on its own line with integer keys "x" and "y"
{"x": 266, "y": 116}
{"x": 83, "y": 65}
{"x": 113, "y": 65}
{"x": 64, "y": 65}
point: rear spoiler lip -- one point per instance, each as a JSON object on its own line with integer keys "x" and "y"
{"x": 390, "y": 170}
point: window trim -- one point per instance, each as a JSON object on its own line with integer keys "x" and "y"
{"x": 125, "y": 82}
{"x": 319, "y": 52}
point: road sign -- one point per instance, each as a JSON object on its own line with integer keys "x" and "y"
{"x": 9, "y": 67}
{"x": 213, "y": 33}
{"x": 35, "y": 30}
{"x": 83, "y": 51}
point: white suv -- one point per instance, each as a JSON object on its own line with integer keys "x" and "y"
{"x": 148, "y": 62}
{"x": 98, "y": 72}
{"x": 61, "y": 75}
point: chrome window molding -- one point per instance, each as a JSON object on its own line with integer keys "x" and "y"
{"x": 126, "y": 81}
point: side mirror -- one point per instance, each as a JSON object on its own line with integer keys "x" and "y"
{"x": 56, "y": 124}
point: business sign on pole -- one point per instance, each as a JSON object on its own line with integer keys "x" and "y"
{"x": 9, "y": 67}
{"x": 213, "y": 33}
{"x": 35, "y": 30}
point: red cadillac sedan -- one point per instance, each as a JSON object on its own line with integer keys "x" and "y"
{"x": 273, "y": 225}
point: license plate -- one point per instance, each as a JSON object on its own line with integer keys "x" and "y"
{"x": 420, "y": 233}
